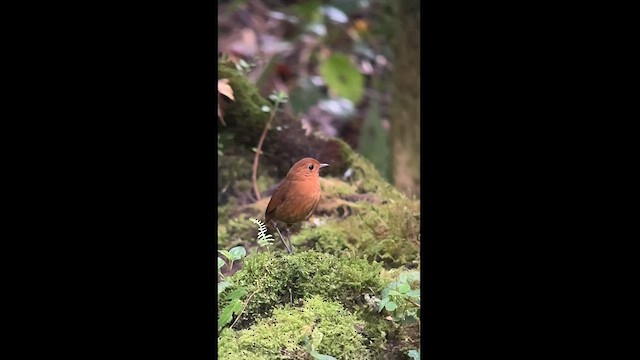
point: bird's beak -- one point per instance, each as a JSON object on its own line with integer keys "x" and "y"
{"x": 323, "y": 165}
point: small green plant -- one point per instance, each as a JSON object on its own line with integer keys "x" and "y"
{"x": 234, "y": 307}
{"x": 244, "y": 67}
{"x": 224, "y": 284}
{"x": 278, "y": 98}
{"x": 316, "y": 355}
{"x": 233, "y": 255}
{"x": 414, "y": 354}
{"x": 400, "y": 299}
{"x": 264, "y": 239}
{"x": 312, "y": 346}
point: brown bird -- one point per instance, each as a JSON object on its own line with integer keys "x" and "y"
{"x": 296, "y": 197}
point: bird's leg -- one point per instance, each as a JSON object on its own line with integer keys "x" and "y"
{"x": 289, "y": 236}
{"x": 281, "y": 237}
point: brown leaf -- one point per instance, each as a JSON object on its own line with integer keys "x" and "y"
{"x": 225, "y": 89}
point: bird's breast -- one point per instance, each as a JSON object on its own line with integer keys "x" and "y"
{"x": 300, "y": 201}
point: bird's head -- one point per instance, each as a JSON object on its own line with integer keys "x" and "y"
{"x": 307, "y": 168}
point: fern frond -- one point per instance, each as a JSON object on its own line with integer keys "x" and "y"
{"x": 263, "y": 237}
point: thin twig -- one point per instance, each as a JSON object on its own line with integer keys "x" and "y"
{"x": 254, "y": 180}
{"x": 244, "y": 307}
{"x": 411, "y": 301}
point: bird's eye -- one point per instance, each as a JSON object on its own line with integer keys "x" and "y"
{"x": 311, "y": 167}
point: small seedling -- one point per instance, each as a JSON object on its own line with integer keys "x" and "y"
{"x": 233, "y": 255}
{"x": 400, "y": 299}
{"x": 233, "y": 308}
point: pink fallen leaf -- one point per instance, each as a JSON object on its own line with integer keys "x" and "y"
{"x": 225, "y": 89}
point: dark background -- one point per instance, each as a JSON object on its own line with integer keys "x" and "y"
{"x": 121, "y": 116}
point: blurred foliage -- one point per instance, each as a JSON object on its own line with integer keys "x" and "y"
{"x": 326, "y": 54}
{"x": 342, "y": 77}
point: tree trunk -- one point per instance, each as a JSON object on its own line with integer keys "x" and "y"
{"x": 405, "y": 109}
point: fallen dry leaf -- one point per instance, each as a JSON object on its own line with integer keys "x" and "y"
{"x": 225, "y": 89}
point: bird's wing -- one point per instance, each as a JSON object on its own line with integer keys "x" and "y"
{"x": 276, "y": 199}
{"x": 313, "y": 210}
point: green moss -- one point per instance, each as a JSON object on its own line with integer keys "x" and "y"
{"x": 386, "y": 232}
{"x": 378, "y": 331}
{"x": 328, "y": 238}
{"x": 278, "y": 278}
{"x": 324, "y": 325}
{"x": 332, "y": 187}
{"x": 245, "y": 110}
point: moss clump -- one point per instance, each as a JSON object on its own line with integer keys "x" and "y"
{"x": 322, "y": 325}
{"x": 333, "y": 187}
{"x": 245, "y": 110}
{"x": 277, "y": 278}
{"x": 329, "y": 239}
{"x": 386, "y": 232}
{"x": 366, "y": 176}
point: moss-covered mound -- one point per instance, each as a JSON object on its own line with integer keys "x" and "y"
{"x": 291, "y": 333}
{"x": 278, "y": 278}
{"x": 386, "y": 232}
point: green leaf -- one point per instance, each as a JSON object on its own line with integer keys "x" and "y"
{"x": 307, "y": 10}
{"x": 238, "y": 253}
{"x": 220, "y": 263}
{"x": 236, "y": 294}
{"x": 393, "y": 292}
{"x": 414, "y": 354}
{"x": 226, "y": 254}
{"x": 234, "y": 306}
{"x": 413, "y": 293}
{"x": 384, "y": 293}
{"x": 237, "y": 306}
{"x": 393, "y": 285}
{"x": 383, "y": 302}
{"x": 391, "y": 306}
{"x": 316, "y": 355}
{"x": 265, "y": 108}
{"x": 342, "y": 77}
{"x": 225, "y": 316}
{"x": 410, "y": 276}
{"x": 223, "y": 286}
{"x": 403, "y": 288}
{"x": 316, "y": 338}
